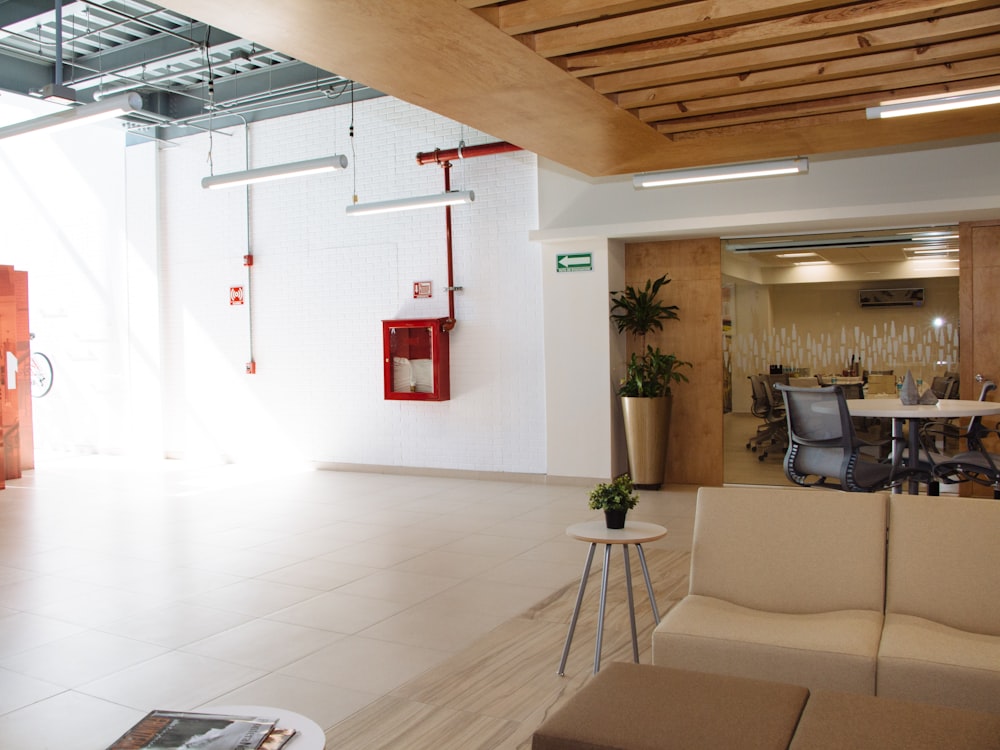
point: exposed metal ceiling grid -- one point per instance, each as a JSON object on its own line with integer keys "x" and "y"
{"x": 186, "y": 71}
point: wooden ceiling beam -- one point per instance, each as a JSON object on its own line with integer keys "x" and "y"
{"x": 814, "y": 50}
{"x": 965, "y": 71}
{"x": 856, "y": 18}
{"x": 528, "y": 16}
{"x": 854, "y": 104}
{"x": 827, "y": 70}
{"x": 685, "y": 18}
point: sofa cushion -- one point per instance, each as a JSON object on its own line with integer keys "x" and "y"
{"x": 836, "y": 721}
{"x": 641, "y": 707}
{"x": 944, "y": 561}
{"x": 923, "y": 660}
{"x": 832, "y": 650}
{"x": 790, "y": 550}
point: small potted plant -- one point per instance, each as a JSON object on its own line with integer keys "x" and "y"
{"x": 615, "y": 499}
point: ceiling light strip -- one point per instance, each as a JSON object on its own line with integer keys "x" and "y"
{"x": 798, "y": 165}
{"x": 453, "y": 198}
{"x": 114, "y": 106}
{"x": 276, "y": 172}
{"x": 926, "y": 104}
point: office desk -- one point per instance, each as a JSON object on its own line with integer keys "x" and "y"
{"x": 893, "y": 408}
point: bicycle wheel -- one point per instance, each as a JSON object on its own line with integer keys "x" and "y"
{"x": 41, "y": 375}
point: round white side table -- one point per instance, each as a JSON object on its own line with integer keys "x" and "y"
{"x": 597, "y": 532}
{"x": 308, "y": 735}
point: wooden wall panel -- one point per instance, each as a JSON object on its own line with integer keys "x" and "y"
{"x": 25, "y": 417}
{"x": 695, "y": 453}
{"x": 979, "y": 279}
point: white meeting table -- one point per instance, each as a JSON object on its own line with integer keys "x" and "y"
{"x": 893, "y": 408}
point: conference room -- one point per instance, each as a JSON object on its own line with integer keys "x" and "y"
{"x": 855, "y": 309}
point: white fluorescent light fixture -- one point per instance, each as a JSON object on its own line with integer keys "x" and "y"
{"x": 276, "y": 172}
{"x": 920, "y": 105}
{"x": 796, "y": 255}
{"x": 71, "y": 118}
{"x": 746, "y": 170}
{"x": 812, "y": 263}
{"x": 452, "y": 198}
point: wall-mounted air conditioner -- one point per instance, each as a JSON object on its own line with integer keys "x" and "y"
{"x": 891, "y": 297}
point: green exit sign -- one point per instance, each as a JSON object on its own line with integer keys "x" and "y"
{"x": 574, "y": 262}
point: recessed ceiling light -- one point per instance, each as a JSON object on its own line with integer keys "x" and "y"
{"x": 796, "y": 255}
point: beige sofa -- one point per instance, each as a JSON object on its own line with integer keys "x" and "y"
{"x": 941, "y": 637}
{"x": 793, "y": 585}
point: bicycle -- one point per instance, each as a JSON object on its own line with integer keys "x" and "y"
{"x": 41, "y": 373}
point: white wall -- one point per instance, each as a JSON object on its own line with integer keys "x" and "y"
{"x": 583, "y": 362}
{"x": 322, "y": 282}
{"x": 945, "y": 184}
{"x": 61, "y": 208}
{"x": 130, "y": 263}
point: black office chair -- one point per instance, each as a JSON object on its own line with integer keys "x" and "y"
{"x": 823, "y": 446}
{"x": 947, "y": 430}
{"x": 976, "y": 464}
{"x": 772, "y": 430}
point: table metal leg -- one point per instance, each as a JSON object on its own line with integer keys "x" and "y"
{"x": 914, "y": 453}
{"x": 631, "y": 604}
{"x": 897, "y": 450}
{"x": 600, "y": 615}
{"x": 649, "y": 585}
{"x": 576, "y": 609}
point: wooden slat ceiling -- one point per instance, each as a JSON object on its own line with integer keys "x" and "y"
{"x": 617, "y": 86}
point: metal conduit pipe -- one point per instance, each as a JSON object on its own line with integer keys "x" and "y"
{"x": 444, "y": 159}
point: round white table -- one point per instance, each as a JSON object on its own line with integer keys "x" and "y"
{"x": 308, "y": 734}
{"x": 893, "y": 408}
{"x": 597, "y": 532}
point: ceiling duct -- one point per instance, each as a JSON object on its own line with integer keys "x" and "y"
{"x": 918, "y": 237}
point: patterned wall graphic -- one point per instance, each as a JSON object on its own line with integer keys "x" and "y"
{"x": 890, "y": 347}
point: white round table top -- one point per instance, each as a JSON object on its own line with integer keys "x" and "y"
{"x": 308, "y": 736}
{"x": 635, "y": 532}
{"x": 946, "y": 408}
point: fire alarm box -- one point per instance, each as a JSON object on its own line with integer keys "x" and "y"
{"x": 416, "y": 360}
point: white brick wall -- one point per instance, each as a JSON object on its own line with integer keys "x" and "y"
{"x": 322, "y": 284}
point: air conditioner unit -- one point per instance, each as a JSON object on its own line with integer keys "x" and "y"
{"x": 891, "y": 297}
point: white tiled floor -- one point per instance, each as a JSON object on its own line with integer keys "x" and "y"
{"x": 127, "y": 587}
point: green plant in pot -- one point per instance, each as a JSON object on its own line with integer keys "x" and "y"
{"x": 645, "y": 390}
{"x": 616, "y": 499}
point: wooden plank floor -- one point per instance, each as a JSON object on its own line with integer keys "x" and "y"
{"x": 492, "y": 695}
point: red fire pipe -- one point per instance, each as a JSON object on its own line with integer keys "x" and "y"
{"x": 444, "y": 159}
{"x": 450, "y": 322}
{"x": 437, "y": 156}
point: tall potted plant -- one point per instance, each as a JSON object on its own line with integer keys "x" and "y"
{"x": 645, "y": 391}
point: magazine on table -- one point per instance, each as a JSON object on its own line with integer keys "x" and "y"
{"x": 185, "y": 730}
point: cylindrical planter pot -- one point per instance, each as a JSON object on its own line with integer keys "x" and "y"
{"x": 615, "y": 519}
{"x": 647, "y": 424}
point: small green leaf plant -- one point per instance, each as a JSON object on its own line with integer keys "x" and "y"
{"x": 616, "y": 495}
{"x": 638, "y": 311}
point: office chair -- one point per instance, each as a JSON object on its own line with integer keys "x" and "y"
{"x": 772, "y": 431}
{"x": 823, "y": 446}
{"x": 976, "y": 464}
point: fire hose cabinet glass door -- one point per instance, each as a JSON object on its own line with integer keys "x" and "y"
{"x": 416, "y": 360}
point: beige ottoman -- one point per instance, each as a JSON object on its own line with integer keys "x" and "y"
{"x": 835, "y": 721}
{"x": 643, "y": 707}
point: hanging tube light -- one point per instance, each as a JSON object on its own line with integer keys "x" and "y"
{"x": 276, "y": 172}
{"x": 70, "y": 118}
{"x": 451, "y": 198}
{"x": 797, "y": 165}
{"x": 921, "y": 105}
